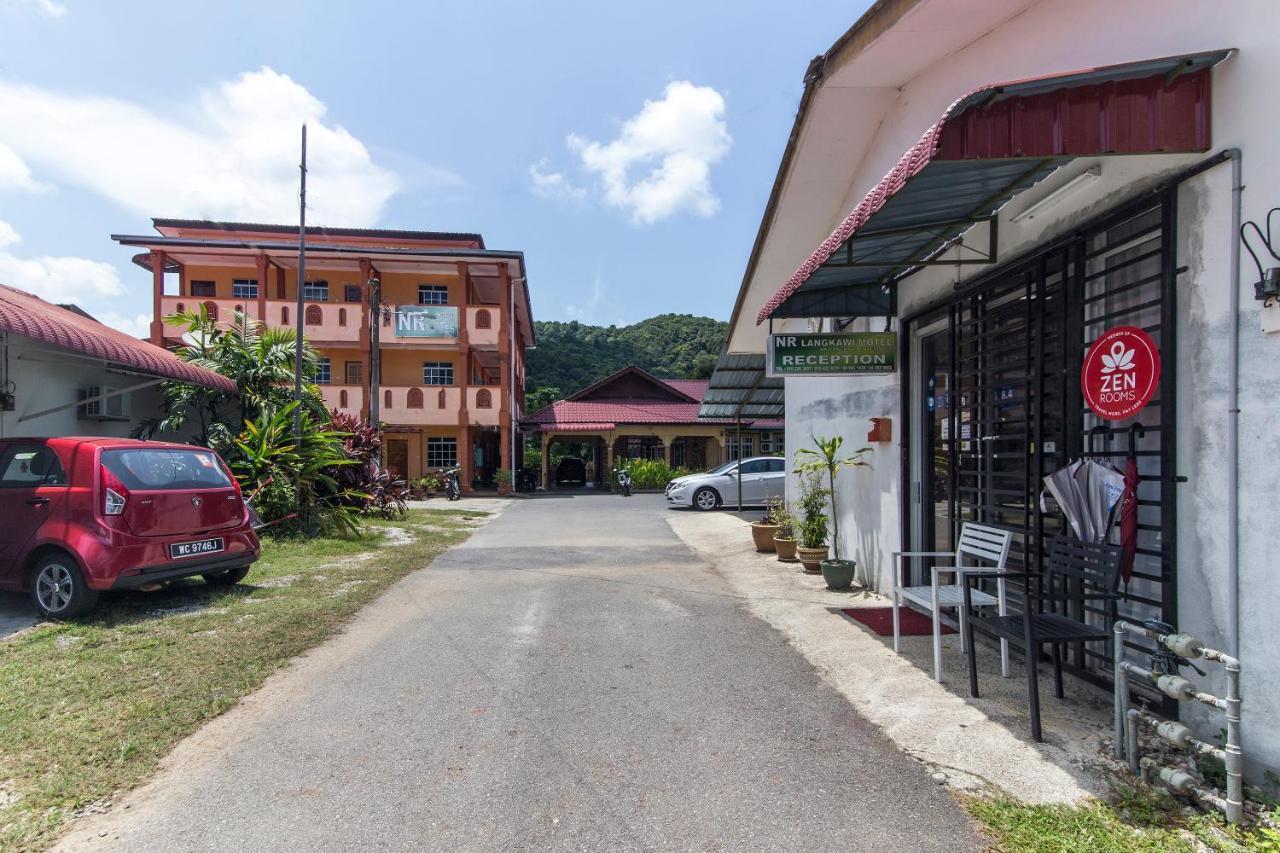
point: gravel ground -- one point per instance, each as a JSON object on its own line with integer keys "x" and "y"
{"x": 572, "y": 678}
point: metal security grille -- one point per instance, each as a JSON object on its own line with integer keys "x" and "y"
{"x": 1017, "y": 338}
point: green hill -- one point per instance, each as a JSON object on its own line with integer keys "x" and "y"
{"x": 571, "y": 356}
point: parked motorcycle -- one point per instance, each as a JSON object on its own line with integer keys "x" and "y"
{"x": 624, "y": 483}
{"x": 452, "y": 484}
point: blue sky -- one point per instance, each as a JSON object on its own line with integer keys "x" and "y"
{"x": 628, "y": 149}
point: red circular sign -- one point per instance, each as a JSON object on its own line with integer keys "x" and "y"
{"x": 1121, "y": 373}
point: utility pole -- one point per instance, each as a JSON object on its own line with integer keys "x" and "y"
{"x": 375, "y": 360}
{"x": 302, "y": 277}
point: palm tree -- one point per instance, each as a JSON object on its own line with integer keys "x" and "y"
{"x": 259, "y": 359}
{"x": 826, "y": 459}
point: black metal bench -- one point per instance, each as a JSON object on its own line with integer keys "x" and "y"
{"x": 1077, "y": 572}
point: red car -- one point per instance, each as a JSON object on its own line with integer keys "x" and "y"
{"x": 82, "y": 515}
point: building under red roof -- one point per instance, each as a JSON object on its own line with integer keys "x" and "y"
{"x": 634, "y": 414}
{"x": 22, "y": 313}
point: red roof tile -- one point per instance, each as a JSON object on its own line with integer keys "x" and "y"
{"x": 30, "y": 316}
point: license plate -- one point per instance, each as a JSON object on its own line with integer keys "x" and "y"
{"x": 179, "y": 550}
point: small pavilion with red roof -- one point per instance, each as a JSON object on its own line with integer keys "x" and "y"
{"x": 632, "y": 414}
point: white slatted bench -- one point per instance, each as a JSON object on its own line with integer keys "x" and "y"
{"x": 978, "y": 542}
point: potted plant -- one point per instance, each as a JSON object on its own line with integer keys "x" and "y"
{"x": 784, "y": 538}
{"x": 762, "y": 531}
{"x": 811, "y": 526}
{"x": 417, "y": 489}
{"x": 502, "y": 479}
{"x": 824, "y": 458}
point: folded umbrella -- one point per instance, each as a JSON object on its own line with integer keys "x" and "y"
{"x": 1129, "y": 518}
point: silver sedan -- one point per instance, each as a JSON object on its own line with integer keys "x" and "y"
{"x": 763, "y": 478}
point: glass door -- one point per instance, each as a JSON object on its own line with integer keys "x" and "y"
{"x": 931, "y": 487}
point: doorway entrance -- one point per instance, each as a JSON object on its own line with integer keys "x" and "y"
{"x": 994, "y": 404}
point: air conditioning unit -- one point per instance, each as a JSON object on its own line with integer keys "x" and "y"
{"x": 112, "y": 408}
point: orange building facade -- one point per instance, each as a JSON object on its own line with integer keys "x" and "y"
{"x": 453, "y": 323}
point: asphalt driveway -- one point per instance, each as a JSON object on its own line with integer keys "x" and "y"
{"x": 573, "y": 677}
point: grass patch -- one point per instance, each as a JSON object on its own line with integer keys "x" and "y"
{"x": 89, "y": 708}
{"x": 1132, "y": 819}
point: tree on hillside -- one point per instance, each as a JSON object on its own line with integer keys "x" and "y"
{"x": 572, "y": 355}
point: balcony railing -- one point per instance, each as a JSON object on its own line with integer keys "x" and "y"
{"x": 340, "y": 321}
{"x": 419, "y": 405}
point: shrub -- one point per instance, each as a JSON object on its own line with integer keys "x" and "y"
{"x": 812, "y": 523}
{"x": 364, "y": 484}
{"x": 648, "y": 474}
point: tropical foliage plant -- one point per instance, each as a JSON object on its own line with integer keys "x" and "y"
{"x": 648, "y": 474}
{"x": 257, "y": 358}
{"x": 824, "y": 458}
{"x": 811, "y": 525}
{"x": 293, "y": 478}
{"x": 365, "y": 483}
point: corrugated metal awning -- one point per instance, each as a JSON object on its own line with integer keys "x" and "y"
{"x": 740, "y": 389}
{"x": 598, "y": 427}
{"x": 989, "y": 146}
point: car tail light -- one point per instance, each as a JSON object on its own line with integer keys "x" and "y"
{"x": 114, "y": 494}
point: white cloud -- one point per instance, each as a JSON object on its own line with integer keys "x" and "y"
{"x": 47, "y": 8}
{"x": 58, "y": 279}
{"x": 137, "y": 325}
{"x": 660, "y": 163}
{"x": 233, "y": 155}
{"x": 553, "y": 184}
{"x": 14, "y": 173}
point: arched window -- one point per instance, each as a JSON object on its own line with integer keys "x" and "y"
{"x": 484, "y": 399}
{"x": 313, "y": 317}
{"x": 342, "y": 316}
{"x": 181, "y": 308}
{"x": 240, "y": 309}
{"x": 414, "y": 398}
{"x": 484, "y": 320}
{"x": 386, "y": 399}
{"x": 342, "y": 399}
{"x": 440, "y": 399}
{"x": 211, "y": 308}
{"x": 284, "y": 315}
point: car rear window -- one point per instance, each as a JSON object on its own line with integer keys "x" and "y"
{"x": 163, "y": 469}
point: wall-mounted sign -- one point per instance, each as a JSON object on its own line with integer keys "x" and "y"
{"x": 1121, "y": 373}
{"x": 426, "y": 321}
{"x": 834, "y": 354}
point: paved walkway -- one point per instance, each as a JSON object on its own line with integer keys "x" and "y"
{"x": 571, "y": 678}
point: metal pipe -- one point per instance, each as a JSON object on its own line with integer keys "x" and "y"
{"x": 1234, "y": 758}
{"x": 1131, "y": 740}
{"x": 302, "y": 276}
{"x": 1121, "y": 691}
{"x": 1233, "y": 411}
{"x": 375, "y": 349}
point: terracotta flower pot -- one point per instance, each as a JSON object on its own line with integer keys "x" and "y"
{"x": 762, "y": 535}
{"x": 839, "y": 573}
{"x": 786, "y": 549}
{"x": 811, "y": 558}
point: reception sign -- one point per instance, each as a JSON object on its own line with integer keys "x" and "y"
{"x": 426, "y": 321}
{"x": 833, "y": 354}
{"x": 1121, "y": 373}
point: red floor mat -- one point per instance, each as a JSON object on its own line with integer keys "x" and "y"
{"x": 880, "y": 619}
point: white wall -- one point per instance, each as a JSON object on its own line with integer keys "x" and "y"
{"x": 1062, "y": 35}
{"x": 45, "y": 377}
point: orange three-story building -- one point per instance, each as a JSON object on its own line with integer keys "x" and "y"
{"x": 454, "y": 323}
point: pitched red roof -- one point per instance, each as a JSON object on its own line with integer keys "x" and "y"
{"x": 602, "y": 415}
{"x": 30, "y": 316}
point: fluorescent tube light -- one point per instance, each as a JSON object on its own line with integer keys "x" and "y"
{"x": 1079, "y": 182}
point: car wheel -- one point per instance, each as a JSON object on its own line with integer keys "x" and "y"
{"x": 706, "y": 499}
{"x": 58, "y": 588}
{"x": 227, "y": 577}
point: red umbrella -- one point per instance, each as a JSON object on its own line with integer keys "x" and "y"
{"x": 1129, "y": 517}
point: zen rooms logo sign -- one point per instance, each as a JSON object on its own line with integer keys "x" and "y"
{"x": 1121, "y": 373}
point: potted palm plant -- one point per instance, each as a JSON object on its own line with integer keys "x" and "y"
{"x": 784, "y": 538}
{"x": 762, "y": 531}
{"x": 811, "y": 526}
{"x": 824, "y": 458}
